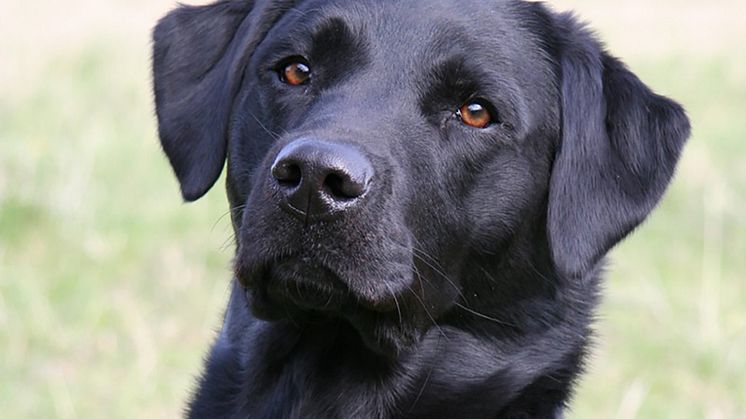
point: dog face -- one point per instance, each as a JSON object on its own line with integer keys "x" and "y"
{"x": 390, "y": 164}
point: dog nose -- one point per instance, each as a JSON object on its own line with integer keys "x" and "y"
{"x": 318, "y": 178}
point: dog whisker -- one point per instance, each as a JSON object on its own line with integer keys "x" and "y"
{"x": 439, "y": 272}
{"x": 460, "y": 305}
{"x": 427, "y": 379}
{"x": 273, "y": 134}
{"x": 396, "y": 301}
{"x": 230, "y": 211}
{"x": 427, "y": 312}
{"x": 484, "y": 316}
{"x": 228, "y": 242}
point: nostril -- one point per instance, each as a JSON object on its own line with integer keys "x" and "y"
{"x": 287, "y": 174}
{"x": 311, "y": 178}
{"x": 342, "y": 187}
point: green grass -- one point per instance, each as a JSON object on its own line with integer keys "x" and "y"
{"x": 110, "y": 288}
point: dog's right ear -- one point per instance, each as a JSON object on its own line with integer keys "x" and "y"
{"x": 199, "y": 55}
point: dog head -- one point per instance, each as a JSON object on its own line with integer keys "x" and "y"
{"x": 390, "y": 164}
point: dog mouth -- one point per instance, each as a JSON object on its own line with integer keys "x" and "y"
{"x": 305, "y": 285}
{"x": 304, "y": 291}
{"x": 292, "y": 284}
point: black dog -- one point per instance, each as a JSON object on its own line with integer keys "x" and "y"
{"x": 422, "y": 195}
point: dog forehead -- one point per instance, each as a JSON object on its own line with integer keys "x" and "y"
{"x": 498, "y": 36}
{"x": 415, "y": 27}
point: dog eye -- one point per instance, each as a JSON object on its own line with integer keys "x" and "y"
{"x": 295, "y": 72}
{"x": 475, "y": 113}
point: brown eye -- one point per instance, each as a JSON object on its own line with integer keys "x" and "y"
{"x": 295, "y": 73}
{"x": 475, "y": 114}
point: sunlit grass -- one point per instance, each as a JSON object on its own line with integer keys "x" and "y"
{"x": 110, "y": 288}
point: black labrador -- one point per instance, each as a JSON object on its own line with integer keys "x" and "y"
{"x": 422, "y": 194}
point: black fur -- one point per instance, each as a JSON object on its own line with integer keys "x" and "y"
{"x": 465, "y": 284}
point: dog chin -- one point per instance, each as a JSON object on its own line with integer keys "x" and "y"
{"x": 306, "y": 294}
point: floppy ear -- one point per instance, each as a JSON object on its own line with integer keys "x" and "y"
{"x": 619, "y": 147}
{"x": 199, "y": 55}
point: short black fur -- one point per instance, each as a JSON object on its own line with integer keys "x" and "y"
{"x": 462, "y": 281}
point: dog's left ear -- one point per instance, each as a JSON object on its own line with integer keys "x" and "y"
{"x": 619, "y": 147}
{"x": 199, "y": 56}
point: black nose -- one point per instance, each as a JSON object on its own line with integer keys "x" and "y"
{"x": 319, "y": 178}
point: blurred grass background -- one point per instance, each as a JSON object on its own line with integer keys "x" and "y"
{"x": 110, "y": 288}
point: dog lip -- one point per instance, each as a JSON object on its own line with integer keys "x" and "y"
{"x": 305, "y": 285}
{"x": 249, "y": 275}
{"x": 278, "y": 290}
{"x": 290, "y": 279}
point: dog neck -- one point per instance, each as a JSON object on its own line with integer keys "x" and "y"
{"x": 307, "y": 368}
